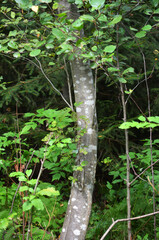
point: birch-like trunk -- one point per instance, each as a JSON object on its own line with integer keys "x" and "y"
{"x": 80, "y": 202}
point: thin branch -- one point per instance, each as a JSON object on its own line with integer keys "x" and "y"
{"x": 41, "y": 69}
{"x": 126, "y": 220}
{"x": 68, "y": 83}
{"x": 143, "y": 172}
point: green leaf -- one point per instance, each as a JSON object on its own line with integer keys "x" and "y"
{"x": 27, "y": 206}
{"x": 56, "y": 176}
{"x": 26, "y": 129}
{"x": 28, "y": 172}
{"x": 113, "y": 69}
{"x": 109, "y": 49}
{"x": 147, "y": 28}
{"x": 13, "y": 33}
{"x": 35, "y": 52}
{"x": 49, "y": 46}
{"x": 140, "y": 34}
{"x": 97, "y": 4}
{"x": 58, "y": 33}
{"x": 45, "y": 1}
{"x": 122, "y": 80}
{"x": 128, "y": 70}
{"x": 49, "y": 192}
{"x": 16, "y": 55}
{"x": 38, "y": 204}
{"x": 87, "y": 18}
{"x": 102, "y": 18}
{"x": 13, "y": 45}
{"x": 32, "y": 182}
{"x": 12, "y": 14}
{"x": 78, "y": 24}
{"x": 16, "y": 174}
{"x": 23, "y": 188}
{"x": 116, "y": 20}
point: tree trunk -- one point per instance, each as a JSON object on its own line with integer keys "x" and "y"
{"x": 80, "y": 202}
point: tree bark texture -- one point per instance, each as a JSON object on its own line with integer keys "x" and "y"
{"x": 80, "y": 202}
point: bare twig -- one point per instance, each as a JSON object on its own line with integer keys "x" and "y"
{"x": 42, "y": 71}
{"x": 126, "y": 220}
{"x": 68, "y": 83}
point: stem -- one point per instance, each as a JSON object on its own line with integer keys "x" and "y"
{"x": 152, "y": 168}
{"x": 126, "y": 141}
{"x": 125, "y": 220}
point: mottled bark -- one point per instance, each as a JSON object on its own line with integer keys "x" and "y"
{"x": 80, "y": 202}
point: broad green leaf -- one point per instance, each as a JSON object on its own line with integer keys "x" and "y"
{"x": 38, "y": 204}
{"x": 155, "y": 2}
{"x": 113, "y": 69}
{"x": 27, "y": 206}
{"x": 128, "y": 70}
{"x": 32, "y": 182}
{"x": 94, "y": 48}
{"x": 13, "y": 33}
{"x": 4, "y": 223}
{"x": 122, "y": 80}
{"x": 66, "y": 140}
{"x": 87, "y": 18}
{"x": 16, "y": 55}
{"x": 49, "y": 45}
{"x": 29, "y": 114}
{"x": 26, "y": 129}
{"x": 13, "y": 45}
{"x": 24, "y": 3}
{"x": 140, "y": 34}
{"x": 56, "y": 176}
{"x": 103, "y": 18}
{"x": 116, "y": 20}
{"x": 22, "y": 179}
{"x": 142, "y": 118}
{"x": 58, "y": 33}
{"x": 12, "y": 14}
{"x": 23, "y": 188}
{"x": 49, "y": 192}
{"x": 78, "y": 24}
{"x": 51, "y": 63}
{"x": 154, "y": 119}
{"x": 45, "y": 1}
{"x": 28, "y": 172}
{"x": 97, "y": 4}
{"x": 109, "y": 49}
{"x": 147, "y": 28}
{"x": 16, "y": 174}
{"x": 35, "y": 52}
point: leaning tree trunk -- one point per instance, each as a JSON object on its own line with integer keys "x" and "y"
{"x": 80, "y": 202}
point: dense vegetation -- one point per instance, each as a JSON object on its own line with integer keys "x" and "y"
{"x": 39, "y": 131}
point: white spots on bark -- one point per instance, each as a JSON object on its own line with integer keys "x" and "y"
{"x": 79, "y": 122}
{"x": 89, "y": 102}
{"x": 89, "y": 130}
{"x": 90, "y": 74}
{"x": 76, "y": 232}
{"x": 75, "y": 207}
{"x": 75, "y": 91}
{"x": 89, "y": 186}
{"x": 73, "y": 199}
{"x": 88, "y": 91}
{"x": 75, "y": 239}
{"x": 78, "y": 109}
{"x": 82, "y": 68}
{"x": 77, "y": 82}
{"x": 86, "y": 111}
{"x": 74, "y": 76}
{"x": 83, "y": 219}
{"x": 90, "y": 96}
{"x": 83, "y": 227}
{"x": 84, "y": 206}
{"x": 91, "y": 81}
{"x": 91, "y": 148}
{"x": 83, "y": 79}
{"x": 63, "y": 230}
